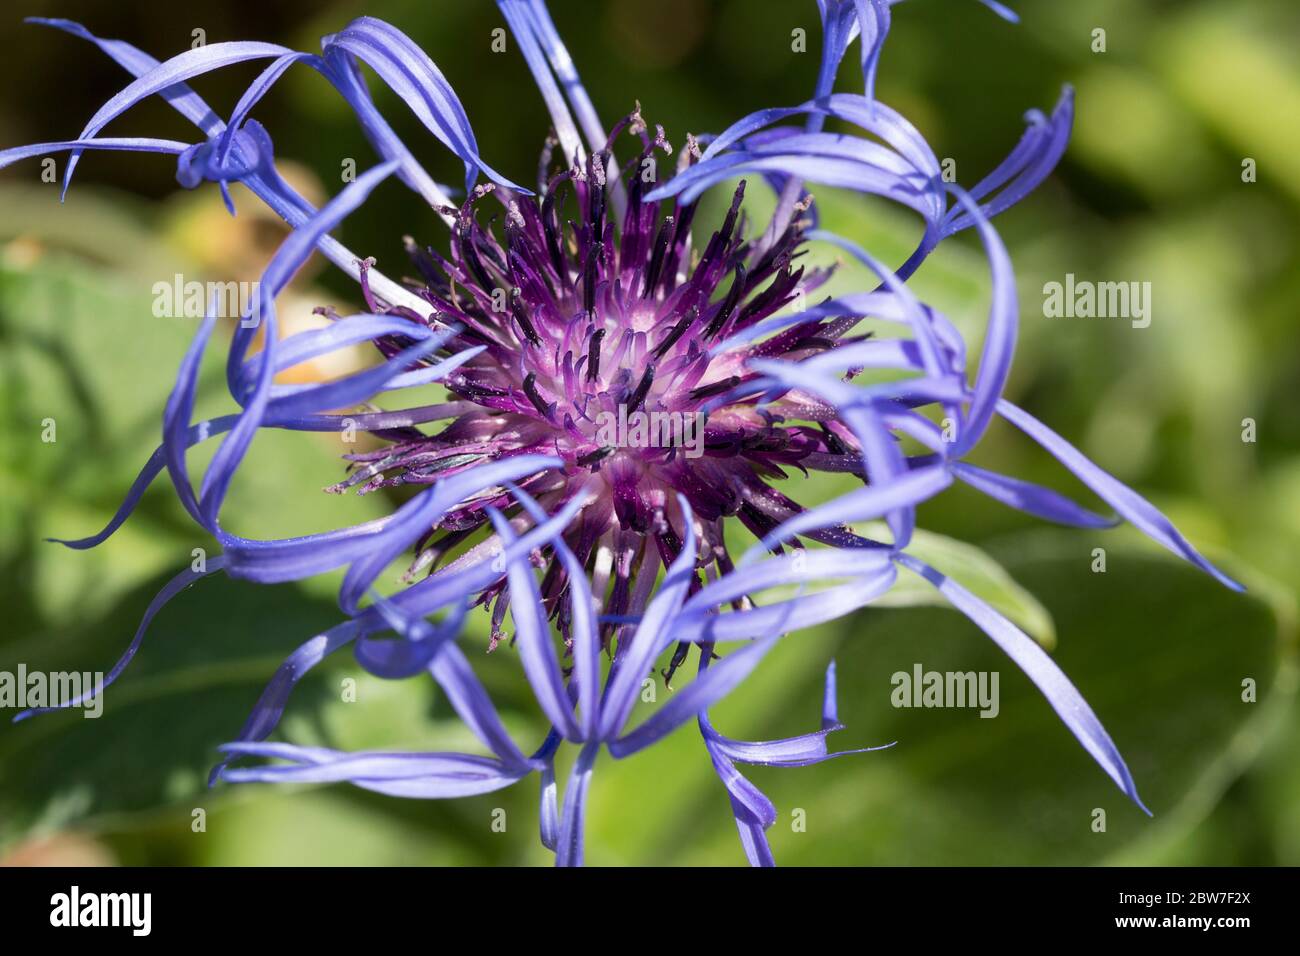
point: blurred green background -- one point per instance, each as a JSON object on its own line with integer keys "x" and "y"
{"x": 1151, "y": 189}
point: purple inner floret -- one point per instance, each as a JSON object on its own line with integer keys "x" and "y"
{"x": 582, "y": 323}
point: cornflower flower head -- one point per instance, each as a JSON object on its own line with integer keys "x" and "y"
{"x": 561, "y": 328}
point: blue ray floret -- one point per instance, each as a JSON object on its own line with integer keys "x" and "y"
{"x": 596, "y": 293}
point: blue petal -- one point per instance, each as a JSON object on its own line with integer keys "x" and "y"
{"x": 884, "y": 462}
{"x": 372, "y": 544}
{"x": 454, "y": 582}
{"x": 752, "y": 837}
{"x": 1039, "y": 668}
{"x": 351, "y": 330}
{"x": 416, "y": 517}
{"x": 801, "y": 751}
{"x": 173, "y": 587}
{"x": 295, "y": 249}
{"x": 265, "y": 183}
{"x": 135, "y": 61}
{"x": 873, "y": 24}
{"x": 797, "y": 567}
{"x": 1031, "y": 498}
{"x": 533, "y": 637}
{"x": 526, "y": 29}
{"x": 624, "y": 681}
{"x": 125, "y": 144}
{"x": 419, "y": 775}
{"x": 1141, "y": 513}
{"x": 582, "y": 626}
{"x": 916, "y": 315}
{"x": 409, "y": 72}
{"x": 1000, "y": 336}
{"x": 259, "y": 88}
{"x": 548, "y": 812}
{"x": 537, "y": 20}
{"x": 570, "y": 849}
{"x": 151, "y": 470}
{"x": 830, "y": 159}
{"x": 176, "y": 418}
{"x": 864, "y": 504}
{"x": 707, "y": 689}
{"x": 270, "y": 705}
{"x": 473, "y": 705}
{"x": 420, "y": 641}
{"x": 184, "y": 66}
{"x": 785, "y": 616}
{"x": 393, "y": 374}
{"x": 1033, "y": 159}
{"x": 752, "y": 810}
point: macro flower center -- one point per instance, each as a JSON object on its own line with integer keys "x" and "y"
{"x": 603, "y": 324}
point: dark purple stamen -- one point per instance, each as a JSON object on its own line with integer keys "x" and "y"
{"x": 677, "y": 332}
{"x": 642, "y": 389}
{"x": 728, "y": 304}
{"x": 657, "y": 257}
{"x": 530, "y": 389}
{"x": 593, "y": 355}
{"x": 525, "y": 324}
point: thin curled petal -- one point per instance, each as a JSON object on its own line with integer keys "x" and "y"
{"x": 1031, "y": 498}
{"x": 450, "y": 584}
{"x": 709, "y": 687}
{"x": 184, "y": 66}
{"x": 421, "y": 641}
{"x": 1032, "y": 161}
{"x": 183, "y": 99}
{"x": 863, "y": 504}
{"x": 540, "y": 24}
{"x": 1039, "y": 668}
{"x": 548, "y": 811}
{"x": 173, "y": 587}
{"x": 524, "y": 28}
{"x": 624, "y": 682}
{"x": 801, "y": 751}
{"x": 270, "y": 705}
{"x": 999, "y": 337}
{"x": 795, "y": 614}
{"x": 426, "y": 776}
{"x": 582, "y": 627}
{"x": 856, "y": 407}
{"x": 798, "y": 567}
{"x": 415, "y": 517}
{"x": 372, "y": 544}
{"x": 1135, "y": 509}
{"x": 533, "y": 638}
{"x": 474, "y": 706}
{"x": 264, "y": 182}
{"x": 295, "y": 249}
{"x": 409, "y": 72}
{"x": 125, "y": 144}
{"x": 571, "y": 846}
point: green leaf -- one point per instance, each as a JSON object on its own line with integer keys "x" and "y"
{"x": 79, "y": 346}
{"x": 144, "y": 761}
{"x": 974, "y": 569}
{"x": 1158, "y": 650}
